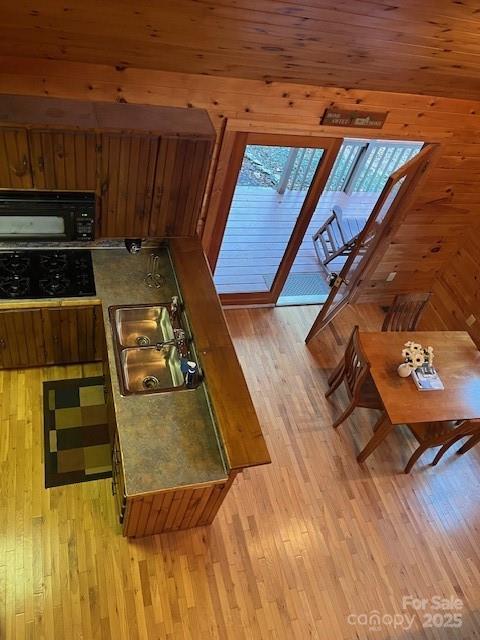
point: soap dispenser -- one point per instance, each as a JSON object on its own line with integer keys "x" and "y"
{"x": 191, "y": 374}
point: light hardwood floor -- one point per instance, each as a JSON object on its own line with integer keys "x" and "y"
{"x": 297, "y": 546}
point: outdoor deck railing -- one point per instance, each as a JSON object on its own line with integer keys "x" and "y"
{"x": 361, "y": 166}
{"x": 378, "y": 161}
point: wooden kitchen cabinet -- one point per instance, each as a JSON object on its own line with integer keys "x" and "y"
{"x": 39, "y": 337}
{"x": 73, "y": 334}
{"x": 21, "y": 339}
{"x": 151, "y": 186}
{"x": 111, "y": 416}
{"x": 118, "y": 477}
{"x": 118, "y": 480}
{"x": 180, "y": 177}
{"x": 148, "y": 165}
{"x": 15, "y": 168}
{"x": 48, "y": 160}
{"x": 127, "y": 173}
{"x": 63, "y": 160}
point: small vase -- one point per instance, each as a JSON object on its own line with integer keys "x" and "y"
{"x": 404, "y": 370}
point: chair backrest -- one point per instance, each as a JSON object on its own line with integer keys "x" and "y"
{"x": 356, "y": 365}
{"x": 405, "y": 312}
{"x": 338, "y": 211}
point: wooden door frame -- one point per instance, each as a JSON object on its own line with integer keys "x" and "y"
{"x": 232, "y": 150}
{"x": 236, "y": 143}
{"x": 415, "y": 171}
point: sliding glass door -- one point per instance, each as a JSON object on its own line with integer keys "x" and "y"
{"x": 275, "y": 182}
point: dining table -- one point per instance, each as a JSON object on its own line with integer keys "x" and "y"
{"x": 457, "y": 362}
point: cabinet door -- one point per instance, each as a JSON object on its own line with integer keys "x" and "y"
{"x": 118, "y": 481}
{"x": 21, "y": 339}
{"x": 181, "y": 174}
{"x": 73, "y": 334}
{"x": 63, "y": 160}
{"x": 15, "y": 171}
{"x": 126, "y": 184}
{"x": 112, "y": 419}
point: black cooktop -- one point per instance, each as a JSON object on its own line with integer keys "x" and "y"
{"x": 46, "y": 274}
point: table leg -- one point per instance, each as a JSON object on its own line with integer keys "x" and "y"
{"x": 381, "y": 431}
{"x": 475, "y": 439}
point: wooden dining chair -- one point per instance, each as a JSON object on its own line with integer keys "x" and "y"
{"x": 405, "y": 312}
{"x": 471, "y": 442}
{"x": 354, "y": 371}
{"x": 444, "y": 434}
{"x": 337, "y": 236}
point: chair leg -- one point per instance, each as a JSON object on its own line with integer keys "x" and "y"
{"x": 380, "y": 432}
{"x": 469, "y": 444}
{"x": 344, "y": 415}
{"x": 415, "y": 456}
{"x": 378, "y": 423}
{"x": 446, "y": 447}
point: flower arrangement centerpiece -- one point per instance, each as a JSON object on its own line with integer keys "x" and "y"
{"x": 415, "y": 356}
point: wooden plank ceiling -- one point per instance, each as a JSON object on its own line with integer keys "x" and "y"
{"x": 430, "y": 47}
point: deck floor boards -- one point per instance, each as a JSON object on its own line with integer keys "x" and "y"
{"x": 259, "y": 226}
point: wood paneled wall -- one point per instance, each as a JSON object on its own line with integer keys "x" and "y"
{"x": 427, "y": 240}
{"x": 456, "y": 300}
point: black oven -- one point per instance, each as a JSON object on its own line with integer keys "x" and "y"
{"x": 47, "y": 215}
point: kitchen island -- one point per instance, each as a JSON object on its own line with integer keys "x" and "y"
{"x": 176, "y": 453}
{"x": 163, "y": 442}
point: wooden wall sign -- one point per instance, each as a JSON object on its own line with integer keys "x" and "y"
{"x": 360, "y": 119}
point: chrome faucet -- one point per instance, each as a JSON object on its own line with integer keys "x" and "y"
{"x": 178, "y": 340}
{"x": 166, "y": 343}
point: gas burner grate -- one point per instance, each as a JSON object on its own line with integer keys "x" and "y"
{"x": 56, "y": 285}
{"x": 14, "y": 263}
{"x": 15, "y": 286}
{"x": 53, "y": 262}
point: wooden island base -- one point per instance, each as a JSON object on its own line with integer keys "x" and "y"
{"x": 173, "y": 510}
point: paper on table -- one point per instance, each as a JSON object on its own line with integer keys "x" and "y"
{"x": 427, "y": 381}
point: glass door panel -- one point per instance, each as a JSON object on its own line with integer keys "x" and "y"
{"x": 365, "y": 243}
{"x": 269, "y": 196}
{"x": 360, "y": 172}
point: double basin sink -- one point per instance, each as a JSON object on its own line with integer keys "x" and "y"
{"x": 151, "y": 349}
